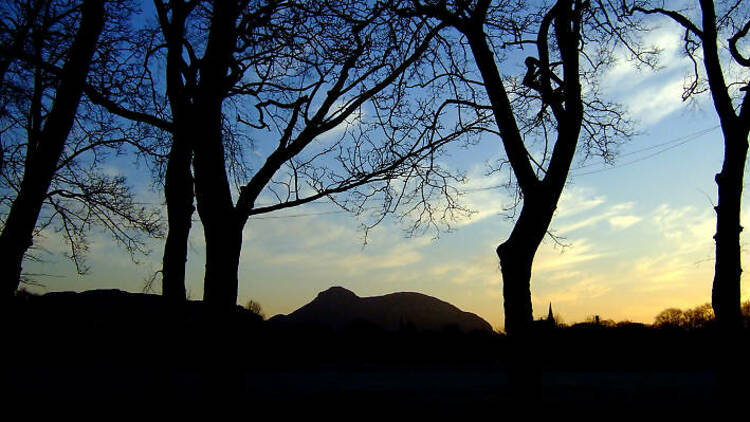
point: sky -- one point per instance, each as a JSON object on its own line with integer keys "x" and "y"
{"x": 636, "y": 235}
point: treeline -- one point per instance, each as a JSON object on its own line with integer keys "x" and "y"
{"x": 698, "y": 317}
{"x": 350, "y": 100}
{"x": 701, "y": 316}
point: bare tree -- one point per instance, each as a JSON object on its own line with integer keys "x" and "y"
{"x": 128, "y": 88}
{"x": 53, "y": 144}
{"x": 705, "y": 32}
{"x": 295, "y": 73}
{"x": 542, "y": 117}
{"x": 178, "y": 182}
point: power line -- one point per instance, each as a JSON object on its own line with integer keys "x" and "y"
{"x": 684, "y": 140}
{"x": 688, "y": 137}
{"x": 670, "y": 144}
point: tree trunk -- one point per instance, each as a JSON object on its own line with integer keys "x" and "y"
{"x": 178, "y": 183}
{"x": 221, "y": 225}
{"x": 18, "y": 232}
{"x": 222, "y": 228}
{"x": 178, "y": 190}
{"x": 725, "y": 295}
{"x": 223, "y": 247}
{"x": 515, "y": 267}
{"x": 516, "y": 256}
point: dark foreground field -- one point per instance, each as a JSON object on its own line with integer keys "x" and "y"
{"x": 139, "y": 352}
{"x": 451, "y": 388}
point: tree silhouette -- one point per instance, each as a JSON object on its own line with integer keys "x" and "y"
{"x": 178, "y": 179}
{"x": 700, "y": 316}
{"x": 703, "y": 33}
{"x": 541, "y": 116}
{"x": 295, "y": 73}
{"x": 671, "y": 317}
{"x": 51, "y": 147}
{"x": 245, "y": 65}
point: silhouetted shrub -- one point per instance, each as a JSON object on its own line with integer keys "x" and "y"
{"x": 671, "y": 317}
{"x": 255, "y": 308}
{"x": 700, "y": 316}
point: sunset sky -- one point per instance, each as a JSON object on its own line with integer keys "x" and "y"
{"x": 638, "y": 234}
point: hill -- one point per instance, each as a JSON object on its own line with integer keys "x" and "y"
{"x": 339, "y": 309}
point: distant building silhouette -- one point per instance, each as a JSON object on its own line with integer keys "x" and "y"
{"x": 546, "y": 323}
{"x": 550, "y": 317}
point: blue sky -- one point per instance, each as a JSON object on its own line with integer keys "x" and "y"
{"x": 638, "y": 234}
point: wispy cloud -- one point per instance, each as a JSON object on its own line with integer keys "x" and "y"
{"x": 686, "y": 227}
{"x": 623, "y": 221}
{"x": 319, "y": 243}
{"x": 576, "y": 290}
{"x": 651, "y": 105}
{"x": 550, "y": 259}
{"x": 618, "y": 216}
{"x": 651, "y": 95}
{"x": 482, "y": 269}
{"x": 576, "y": 200}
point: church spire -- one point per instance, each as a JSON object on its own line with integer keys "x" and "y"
{"x": 550, "y": 316}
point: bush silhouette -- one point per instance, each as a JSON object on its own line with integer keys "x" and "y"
{"x": 255, "y": 308}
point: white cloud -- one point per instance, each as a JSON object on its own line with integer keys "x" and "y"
{"x": 549, "y": 259}
{"x": 666, "y": 37}
{"x": 616, "y": 215}
{"x": 480, "y": 270}
{"x": 651, "y": 95}
{"x": 686, "y": 227}
{"x": 651, "y": 105}
{"x": 576, "y": 290}
{"x": 623, "y": 221}
{"x": 576, "y": 200}
{"x": 320, "y": 243}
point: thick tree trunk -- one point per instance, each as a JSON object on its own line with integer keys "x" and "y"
{"x": 17, "y": 234}
{"x": 516, "y": 256}
{"x": 178, "y": 190}
{"x": 223, "y": 247}
{"x": 178, "y": 183}
{"x": 18, "y": 231}
{"x": 725, "y": 296}
{"x": 515, "y": 266}
{"x": 222, "y": 225}
{"x": 222, "y": 228}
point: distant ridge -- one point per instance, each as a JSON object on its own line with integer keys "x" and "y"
{"x": 338, "y": 309}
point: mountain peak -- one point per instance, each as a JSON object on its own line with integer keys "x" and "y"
{"x": 337, "y": 292}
